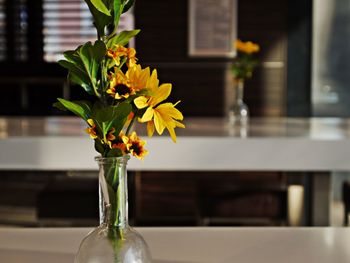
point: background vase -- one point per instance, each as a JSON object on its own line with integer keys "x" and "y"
{"x": 114, "y": 241}
{"x": 238, "y": 113}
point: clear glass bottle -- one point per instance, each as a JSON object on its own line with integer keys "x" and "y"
{"x": 238, "y": 112}
{"x": 114, "y": 241}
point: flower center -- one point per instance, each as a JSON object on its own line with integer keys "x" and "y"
{"x": 122, "y": 89}
{"x": 136, "y": 148}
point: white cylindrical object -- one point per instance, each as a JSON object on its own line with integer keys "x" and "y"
{"x": 295, "y": 204}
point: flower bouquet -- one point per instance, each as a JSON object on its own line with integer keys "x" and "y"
{"x": 242, "y": 68}
{"x": 121, "y": 92}
{"x": 245, "y": 62}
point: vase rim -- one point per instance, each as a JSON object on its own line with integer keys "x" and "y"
{"x": 121, "y": 159}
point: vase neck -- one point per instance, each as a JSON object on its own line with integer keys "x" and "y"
{"x": 239, "y": 90}
{"x": 113, "y": 192}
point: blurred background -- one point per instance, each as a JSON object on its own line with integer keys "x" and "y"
{"x": 303, "y": 72}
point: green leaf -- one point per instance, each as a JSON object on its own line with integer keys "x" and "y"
{"x": 91, "y": 56}
{"x": 99, "y": 147}
{"x": 105, "y": 114}
{"x": 100, "y": 19}
{"x": 127, "y": 5}
{"x": 79, "y": 80}
{"x": 122, "y": 110}
{"x": 59, "y": 106}
{"x": 86, "y": 105}
{"x": 99, "y": 50}
{"x": 77, "y": 109}
{"x": 77, "y": 75}
{"x": 70, "y": 55}
{"x": 111, "y": 116}
{"x": 114, "y": 153}
{"x": 100, "y": 6}
{"x": 73, "y": 57}
{"x": 96, "y": 107}
{"x": 109, "y": 4}
{"x": 110, "y": 113}
{"x": 117, "y": 12}
{"x": 86, "y": 55}
{"x": 71, "y": 66}
{"x": 122, "y": 114}
{"x": 122, "y": 38}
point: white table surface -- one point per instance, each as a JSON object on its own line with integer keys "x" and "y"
{"x": 282, "y": 144}
{"x": 190, "y": 245}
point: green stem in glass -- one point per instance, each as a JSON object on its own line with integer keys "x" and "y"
{"x": 113, "y": 192}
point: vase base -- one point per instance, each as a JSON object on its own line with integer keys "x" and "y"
{"x": 113, "y": 245}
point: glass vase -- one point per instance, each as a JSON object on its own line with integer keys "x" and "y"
{"x": 238, "y": 111}
{"x": 114, "y": 241}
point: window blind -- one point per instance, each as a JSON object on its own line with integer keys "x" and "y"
{"x": 67, "y": 24}
{"x": 20, "y": 29}
{"x": 2, "y": 31}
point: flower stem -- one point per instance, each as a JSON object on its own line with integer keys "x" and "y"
{"x": 130, "y": 125}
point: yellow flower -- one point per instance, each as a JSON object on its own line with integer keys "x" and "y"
{"x": 159, "y": 116}
{"x": 92, "y": 130}
{"x": 119, "y": 144}
{"x": 131, "y": 54}
{"x": 138, "y": 77}
{"x": 247, "y": 47}
{"x": 116, "y": 57}
{"x": 128, "y": 53}
{"x": 109, "y": 137}
{"x": 135, "y": 145}
{"x": 119, "y": 86}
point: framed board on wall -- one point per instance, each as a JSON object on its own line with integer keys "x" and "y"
{"x": 212, "y": 28}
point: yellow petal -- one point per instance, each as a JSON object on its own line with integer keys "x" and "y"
{"x": 150, "y": 128}
{"x": 153, "y": 81}
{"x": 145, "y": 74}
{"x": 162, "y": 93}
{"x": 125, "y": 139}
{"x": 180, "y": 125}
{"x": 91, "y": 122}
{"x": 158, "y": 122}
{"x": 170, "y": 110}
{"x": 167, "y": 111}
{"x": 91, "y": 133}
{"x": 141, "y": 102}
{"x": 148, "y": 115}
{"x": 134, "y": 136}
{"x": 110, "y": 91}
{"x": 172, "y": 133}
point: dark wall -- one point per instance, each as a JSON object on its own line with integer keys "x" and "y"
{"x": 162, "y": 43}
{"x": 29, "y": 88}
{"x": 265, "y": 22}
{"x": 299, "y": 58}
{"x": 200, "y": 83}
